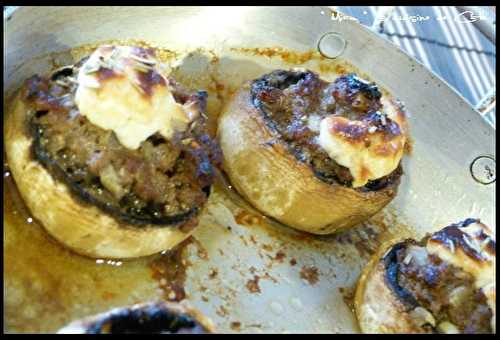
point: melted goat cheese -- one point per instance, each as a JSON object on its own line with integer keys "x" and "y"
{"x": 116, "y": 101}
{"x": 366, "y": 151}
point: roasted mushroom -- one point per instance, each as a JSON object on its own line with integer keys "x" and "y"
{"x": 443, "y": 284}
{"x": 111, "y": 155}
{"x": 154, "y": 317}
{"x": 314, "y": 155}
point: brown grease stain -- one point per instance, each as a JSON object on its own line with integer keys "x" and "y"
{"x": 329, "y": 67}
{"x": 310, "y": 274}
{"x": 408, "y": 150}
{"x": 280, "y": 255}
{"x": 213, "y": 273}
{"x": 267, "y": 247}
{"x": 348, "y": 296}
{"x": 268, "y": 276}
{"x": 222, "y": 311}
{"x": 169, "y": 270}
{"x": 287, "y": 56}
{"x": 235, "y": 326}
{"x": 253, "y": 285}
{"x": 201, "y": 252}
{"x": 247, "y": 218}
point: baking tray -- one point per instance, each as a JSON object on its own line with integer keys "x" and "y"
{"x": 246, "y": 272}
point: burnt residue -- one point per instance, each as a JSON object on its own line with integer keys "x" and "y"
{"x": 293, "y": 261}
{"x": 391, "y": 266}
{"x": 359, "y": 132}
{"x": 147, "y": 76}
{"x": 453, "y": 234}
{"x": 287, "y": 100}
{"x": 348, "y": 88}
{"x": 352, "y": 132}
{"x": 106, "y": 73}
{"x": 148, "y": 80}
{"x": 309, "y": 274}
{"x": 62, "y": 72}
{"x": 150, "y": 318}
{"x": 36, "y": 90}
{"x": 169, "y": 270}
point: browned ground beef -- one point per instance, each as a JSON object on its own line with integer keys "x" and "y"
{"x": 287, "y": 99}
{"x": 446, "y": 291}
{"x": 162, "y": 182}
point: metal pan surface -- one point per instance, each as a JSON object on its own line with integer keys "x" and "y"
{"x": 245, "y": 272}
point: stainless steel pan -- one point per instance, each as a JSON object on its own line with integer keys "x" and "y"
{"x": 248, "y": 274}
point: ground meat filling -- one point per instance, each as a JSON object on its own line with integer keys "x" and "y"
{"x": 162, "y": 182}
{"x": 293, "y": 104}
{"x": 425, "y": 281}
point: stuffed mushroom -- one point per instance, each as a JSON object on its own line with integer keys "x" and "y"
{"x": 154, "y": 317}
{"x": 111, "y": 155}
{"x": 314, "y": 155}
{"x": 443, "y": 284}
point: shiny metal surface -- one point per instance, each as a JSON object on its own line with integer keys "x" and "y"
{"x": 437, "y": 187}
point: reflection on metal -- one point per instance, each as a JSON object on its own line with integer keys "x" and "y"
{"x": 331, "y": 45}
{"x": 483, "y": 169}
{"x": 487, "y": 103}
{"x": 8, "y": 11}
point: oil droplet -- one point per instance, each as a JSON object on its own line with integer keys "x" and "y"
{"x": 296, "y": 304}
{"x": 277, "y": 308}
